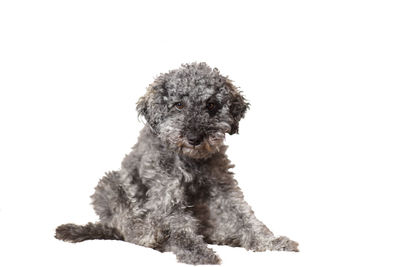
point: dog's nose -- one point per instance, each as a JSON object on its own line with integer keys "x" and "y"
{"x": 194, "y": 138}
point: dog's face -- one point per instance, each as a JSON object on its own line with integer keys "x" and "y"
{"x": 192, "y": 108}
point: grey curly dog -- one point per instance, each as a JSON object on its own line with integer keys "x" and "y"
{"x": 174, "y": 191}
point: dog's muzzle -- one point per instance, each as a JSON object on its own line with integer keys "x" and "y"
{"x": 195, "y": 139}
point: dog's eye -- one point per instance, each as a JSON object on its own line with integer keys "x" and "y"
{"x": 179, "y": 105}
{"x": 210, "y": 106}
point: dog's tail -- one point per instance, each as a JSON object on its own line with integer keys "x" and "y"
{"x": 78, "y": 233}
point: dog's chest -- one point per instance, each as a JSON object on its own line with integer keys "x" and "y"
{"x": 197, "y": 197}
{"x": 197, "y": 183}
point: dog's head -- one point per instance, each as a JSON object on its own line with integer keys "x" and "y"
{"x": 192, "y": 108}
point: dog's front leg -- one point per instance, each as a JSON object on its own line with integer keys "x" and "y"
{"x": 189, "y": 247}
{"x": 235, "y": 224}
{"x": 169, "y": 213}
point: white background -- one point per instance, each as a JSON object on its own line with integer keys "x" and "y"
{"x": 317, "y": 155}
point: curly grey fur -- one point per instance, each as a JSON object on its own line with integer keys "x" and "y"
{"x": 175, "y": 191}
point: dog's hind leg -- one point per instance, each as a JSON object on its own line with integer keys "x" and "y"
{"x": 234, "y": 223}
{"x": 104, "y": 201}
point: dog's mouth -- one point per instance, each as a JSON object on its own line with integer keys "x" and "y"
{"x": 204, "y": 145}
{"x": 203, "y": 148}
{"x": 208, "y": 146}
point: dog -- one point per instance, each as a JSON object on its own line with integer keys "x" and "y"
{"x": 175, "y": 191}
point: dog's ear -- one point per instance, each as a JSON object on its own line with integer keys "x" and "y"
{"x": 151, "y": 104}
{"x": 143, "y": 105}
{"x": 237, "y": 107}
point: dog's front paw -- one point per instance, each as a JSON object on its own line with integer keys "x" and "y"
{"x": 283, "y": 243}
{"x": 206, "y": 256}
